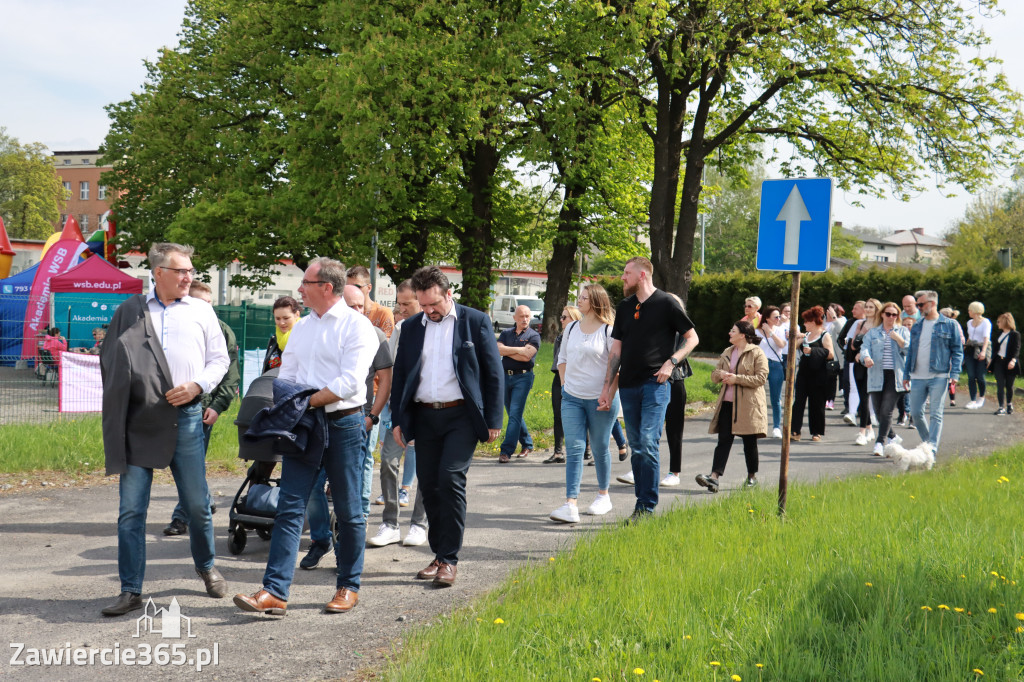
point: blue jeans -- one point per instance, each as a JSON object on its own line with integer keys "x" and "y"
{"x": 580, "y": 416}
{"x": 188, "y": 467}
{"x": 318, "y": 513}
{"x": 371, "y": 443}
{"x": 343, "y": 463}
{"x": 517, "y": 390}
{"x": 975, "y": 375}
{"x": 643, "y": 408}
{"x": 617, "y": 434}
{"x": 179, "y": 512}
{"x": 776, "y": 378}
{"x": 920, "y": 390}
{"x": 409, "y": 467}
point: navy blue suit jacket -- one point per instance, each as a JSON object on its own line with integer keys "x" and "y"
{"x": 477, "y": 367}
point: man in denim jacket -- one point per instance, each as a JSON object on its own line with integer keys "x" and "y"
{"x": 934, "y": 357}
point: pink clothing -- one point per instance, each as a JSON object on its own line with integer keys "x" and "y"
{"x": 730, "y": 389}
{"x": 55, "y": 345}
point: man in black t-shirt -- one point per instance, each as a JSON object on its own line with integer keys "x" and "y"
{"x": 641, "y": 360}
{"x": 517, "y": 346}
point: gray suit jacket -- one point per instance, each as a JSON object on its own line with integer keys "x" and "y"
{"x": 139, "y": 426}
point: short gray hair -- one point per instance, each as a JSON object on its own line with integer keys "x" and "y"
{"x": 331, "y": 272}
{"x": 928, "y": 295}
{"x": 160, "y": 253}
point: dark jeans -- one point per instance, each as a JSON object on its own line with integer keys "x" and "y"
{"x": 725, "y": 440}
{"x": 179, "y": 512}
{"x": 445, "y": 442}
{"x": 556, "y": 410}
{"x": 675, "y": 418}
{"x": 975, "y": 369}
{"x": 884, "y": 401}
{"x": 517, "y": 390}
{"x": 809, "y": 391}
{"x": 1004, "y": 383}
{"x": 860, "y": 378}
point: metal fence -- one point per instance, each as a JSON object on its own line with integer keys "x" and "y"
{"x": 35, "y": 388}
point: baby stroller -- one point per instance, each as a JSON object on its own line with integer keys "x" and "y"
{"x": 255, "y": 503}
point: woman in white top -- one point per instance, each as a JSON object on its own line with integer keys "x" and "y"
{"x": 979, "y": 333}
{"x": 582, "y": 364}
{"x": 773, "y": 345}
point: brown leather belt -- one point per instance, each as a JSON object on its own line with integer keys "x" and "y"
{"x": 440, "y": 405}
{"x": 338, "y": 414}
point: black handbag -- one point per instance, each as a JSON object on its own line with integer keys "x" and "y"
{"x": 833, "y": 368}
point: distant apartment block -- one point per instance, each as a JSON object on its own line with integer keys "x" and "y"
{"x": 902, "y": 247}
{"x": 87, "y": 199}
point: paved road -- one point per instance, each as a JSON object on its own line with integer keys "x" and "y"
{"x": 58, "y": 560}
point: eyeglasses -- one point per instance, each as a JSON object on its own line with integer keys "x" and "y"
{"x": 182, "y": 272}
{"x": 891, "y": 314}
{"x": 920, "y": 303}
{"x": 564, "y": 317}
{"x": 636, "y": 315}
{"x": 313, "y": 281}
{"x": 748, "y": 305}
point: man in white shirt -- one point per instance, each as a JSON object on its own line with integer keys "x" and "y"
{"x": 163, "y": 351}
{"x": 331, "y": 351}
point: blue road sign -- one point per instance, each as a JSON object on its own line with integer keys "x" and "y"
{"x": 795, "y": 229}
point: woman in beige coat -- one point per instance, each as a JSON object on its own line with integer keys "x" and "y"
{"x": 742, "y": 409}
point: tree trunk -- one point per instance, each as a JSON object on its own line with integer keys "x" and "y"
{"x": 679, "y": 274}
{"x": 667, "y": 140}
{"x": 563, "y": 258}
{"x": 476, "y": 242}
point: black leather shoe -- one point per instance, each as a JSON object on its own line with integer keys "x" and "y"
{"x": 126, "y": 603}
{"x": 555, "y": 458}
{"x": 313, "y": 557}
{"x": 176, "y": 527}
{"x": 216, "y": 585}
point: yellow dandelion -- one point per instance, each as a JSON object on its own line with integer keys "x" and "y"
{"x": 962, "y": 575}
{"x": 715, "y": 664}
{"x": 999, "y": 481}
{"x": 812, "y": 497}
{"x": 499, "y": 621}
{"x": 687, "y": 637}
{"x": 992, "y": 610}
{"x": 993, "y": 573}
{"x": 926, "y": 608}
{"x": 551, "y": 558}
{"x": 1020, "y": 628}
{"x": 878, "y": 475}
{"x": 1004, "y": 479}
{"x": 479, "y": 620}
{"x": 943, "y": 607}
{"x": 912, "y": 497}
{"x": 736, "y": 678}
{"x": 978, "y": 671}
{"x": 750, "y": 511}
{"x": 759, "y": 665}
{"x": 869, "y": 584}
{"x": 638, "y": 671}
{"x": 1019, "y": 616}
{"x": 958, "y": 609}
{"x": 595, "y": 679}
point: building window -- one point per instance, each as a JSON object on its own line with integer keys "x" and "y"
{"x": 83, "y": 191}
{"x": 67, "y": 162}
{"x": 101, "y": 192}
{"x": 86, "y": 162}
{"x": 881, "y": 247}
{"x": 67, "y": 187}
{"x": 85, "y": 222}
{"x": 63, "y": 218}
{"x": 881, "y": 259}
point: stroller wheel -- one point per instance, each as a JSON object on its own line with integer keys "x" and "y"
{"x": 264, "y": 533}
{"x": 236, "y": 542}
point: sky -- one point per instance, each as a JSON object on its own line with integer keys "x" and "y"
{"x": 62, "y": 61}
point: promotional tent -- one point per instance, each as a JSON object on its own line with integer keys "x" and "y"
{"x": 86, "y": 296}
{"x": 14, "y": 291}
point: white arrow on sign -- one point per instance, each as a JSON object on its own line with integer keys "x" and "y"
{"x": 793, "y": 212}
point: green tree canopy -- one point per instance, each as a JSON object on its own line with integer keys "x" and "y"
{"x": 31, "y": 195}
{"x": 993, "y": 221}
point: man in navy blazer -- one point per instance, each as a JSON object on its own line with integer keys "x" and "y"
{"x": 446, "y": 394}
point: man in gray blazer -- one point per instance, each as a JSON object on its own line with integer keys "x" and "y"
{"x": 162, "y": 352}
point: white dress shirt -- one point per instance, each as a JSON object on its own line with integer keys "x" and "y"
{"x": 192, "y": 340}
{"x": 438, "y": 382}
{"x": 333, "y": 352}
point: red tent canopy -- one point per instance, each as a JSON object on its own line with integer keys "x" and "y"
{"x": 95, "y": 275}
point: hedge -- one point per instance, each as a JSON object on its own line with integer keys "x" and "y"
{"x": 716, "y": 301}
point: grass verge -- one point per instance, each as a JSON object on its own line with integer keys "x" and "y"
{"x": 872, "y": 578}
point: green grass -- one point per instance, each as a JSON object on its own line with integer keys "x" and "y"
{"x": 75, "y": 445}
{"x": 835, "y": 591}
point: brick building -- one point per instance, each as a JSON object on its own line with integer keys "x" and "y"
{"x": 87, "y": 200}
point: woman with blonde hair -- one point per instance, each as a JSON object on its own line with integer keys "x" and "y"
{"x": 976, "y": 347}
{"x": 883, "y": 354}
{"x": 872, "y": 319}
{"x": 582, "y": 363}
{"x": 1005, "y": 351}
{"x": 570, "y": 313}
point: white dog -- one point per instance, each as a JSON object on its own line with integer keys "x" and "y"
{"x": 920, "y": 457}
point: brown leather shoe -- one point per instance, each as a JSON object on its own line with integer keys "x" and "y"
{"x": 430, "y": 572}
{"x": 261, "y": 602}
{"x": 445, "y": 574}
{"x": 526, "y": 452}
{"x": 344, "y": 600}
{"x": 216, "y": 585}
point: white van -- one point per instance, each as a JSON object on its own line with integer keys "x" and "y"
{"x": 504, "y": 307}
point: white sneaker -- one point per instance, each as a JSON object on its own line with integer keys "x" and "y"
{"x": 895, "y": 440}
{"x": 386, "y": 535}
{"x": 626, "y": 478}
{"x": 874, "y": 420}
{"x": 670, "y": 479}
{"x": 848, "y": 418}
{"x": 879, "y": 450}
{"x": 861, "y": 439}
{"x": 417, "y": 536}
{"x": 567, "y": 513}
{"x": 870, "y": 434}
{"x": 777, "y": 433}
{"x": 601, "y": 505}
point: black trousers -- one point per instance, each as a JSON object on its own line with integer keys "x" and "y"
{"x": 884, "y": 401}
{"x": 860, "y": 378}
{"x": 556, "y": 410}
{"x": 809, "y": 390}
{"x": 675, "y": 417}
{"x": 725, "y": 441}
{"x": 1004, "y": 382}
{"x": 445, "y": 442}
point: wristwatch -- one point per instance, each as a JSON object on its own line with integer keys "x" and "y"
{"x": 673, "y": 360}
{"x": 374, "y": 418}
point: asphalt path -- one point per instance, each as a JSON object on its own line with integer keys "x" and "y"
{"x": 58, "y": 561}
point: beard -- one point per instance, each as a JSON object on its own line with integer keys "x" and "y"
{"x": 627, "y": 290}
